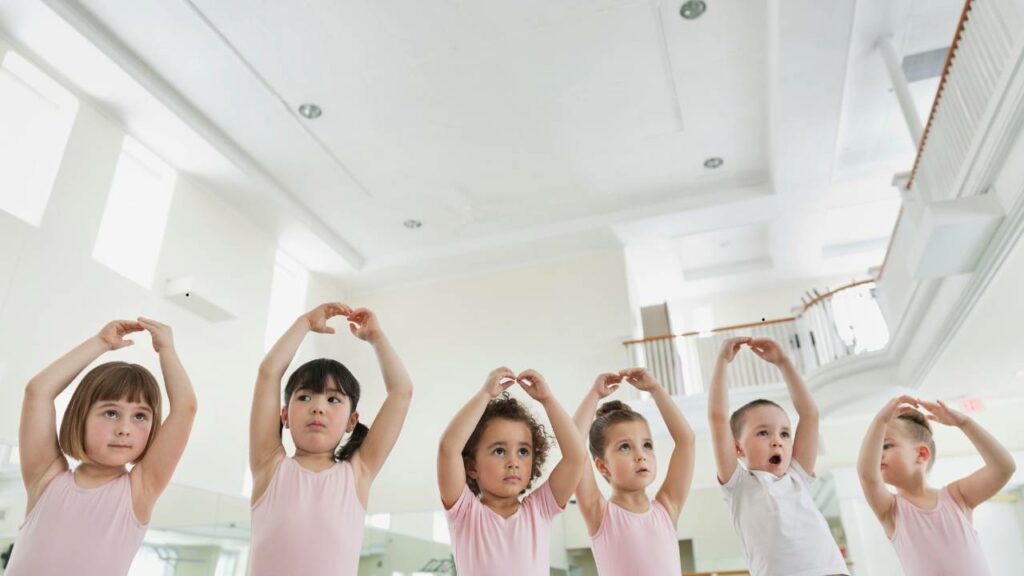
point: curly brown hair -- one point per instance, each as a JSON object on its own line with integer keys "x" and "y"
{"x": 507, "y": 408}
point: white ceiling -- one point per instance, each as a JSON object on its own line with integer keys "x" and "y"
{"x": 524, "y": 129}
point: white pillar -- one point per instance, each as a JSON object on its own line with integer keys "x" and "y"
{"x": 899, "y": 85}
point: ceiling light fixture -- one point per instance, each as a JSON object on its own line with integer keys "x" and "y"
{"x": 412, "y": 224}
{"x": 692, "y": 9}
{"x": 713, "y": 162}
{"x": 310, "y": 111}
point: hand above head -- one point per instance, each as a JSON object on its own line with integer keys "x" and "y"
{"x": 535, "y": 385}
{"x": 606, "y": 384}
{"x": 730, "y": 346}
{"x": 113, "y": 334}
{"x": 640, "y": 378}
{"x": 897, "y": 406}
{"x": 364, "y": 324}
{"x": 939, "y": 412}
{"x": 318, "y": 317}
{"x": 499, "y": 380}
{"x": 163, "y": 338}
{"x": 769, "y": 350}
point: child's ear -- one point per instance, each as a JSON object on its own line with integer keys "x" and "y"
{"x": 602, "y": 468}
{"x": 284, "y": 417}
{"x": 471, "y": 469}
{"x": 923, "y": 453}
{"x": 739, "y": 450}
{"x": 352, "y": 421}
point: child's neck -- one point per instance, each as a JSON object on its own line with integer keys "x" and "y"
{"x": 315, "y": 461}
{"x": 915, "y": 487}
{"x": 503, "y": 506}
{"x": 90, "y": 474}
{"x": 631, "y": 500}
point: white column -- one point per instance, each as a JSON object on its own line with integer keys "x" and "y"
{"x": 899, "y": 85}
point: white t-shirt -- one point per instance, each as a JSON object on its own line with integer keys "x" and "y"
{"x": 782, "y": 531}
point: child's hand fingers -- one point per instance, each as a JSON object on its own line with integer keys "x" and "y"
{"x": 128, "y": 326}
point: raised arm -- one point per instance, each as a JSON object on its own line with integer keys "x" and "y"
{"x": 999, "y": 466}
{"x": 384, "y": 432}
{"x": 718, "y": 411}
{"x": 678, "y": 479}
{"x": 805, "y": 440}
{"x": 162, "y": 456}
{"x": 588, "y": 495}
{"x": 265, "y": 447}
{"x": 566, "y": 474}
{"x": 451, "y": 472}
{"x": 869, "y": 463}
{"x": 41, "y": 458}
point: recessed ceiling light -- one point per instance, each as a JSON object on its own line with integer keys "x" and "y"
{"x": 311, "y": 111}
{"x": 692, "y": 9}
{"x": 713, "y": 162}
{"x": 412, "y": 224}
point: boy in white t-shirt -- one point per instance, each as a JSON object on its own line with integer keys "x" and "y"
{"x": 782, "y": 531}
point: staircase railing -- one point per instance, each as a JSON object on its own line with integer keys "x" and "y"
{"x": 839, "y": 323}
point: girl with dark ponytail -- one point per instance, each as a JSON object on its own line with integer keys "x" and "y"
{"x": 309, "y": 509}
{"x": 631, "y": 533}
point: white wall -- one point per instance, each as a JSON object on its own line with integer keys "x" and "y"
{"x": 53, "y": 295}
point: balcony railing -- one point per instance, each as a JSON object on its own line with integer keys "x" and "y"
{"x": 840, "y": 323}
{"x": 978, "y": 70}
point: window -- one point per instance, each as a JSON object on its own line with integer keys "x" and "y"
{"x": 441, "y": 533}
{"x": 134, "y": 219}
{"x": 36, "y": 114}
{"x": 287, "y": 297}
{"x": 382, "y": 521}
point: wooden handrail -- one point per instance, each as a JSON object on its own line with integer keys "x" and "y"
{"x": 748, "y": 325}
{"x": 831, "y": 292}
{"x": 938, "y": 92}
{"x": 755, "y": 324}
{"x": 651, "y": 339}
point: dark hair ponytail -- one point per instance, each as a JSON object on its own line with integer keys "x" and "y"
{"x": 348, "y": 449}
{"x": 609, "y": 414}
{"x": 315, "y": 376}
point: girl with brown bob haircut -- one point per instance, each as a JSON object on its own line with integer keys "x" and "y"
{"x": 96, "y": 513}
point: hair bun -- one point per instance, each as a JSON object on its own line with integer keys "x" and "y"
{"x": 917, "y": 418}
{"x": 613, "y": 406}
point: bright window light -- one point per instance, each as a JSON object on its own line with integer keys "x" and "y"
{"x": 36, "y": 115}
{"x": 132, "y": 229}
{"x": 382, "y": 521}
{"x": 287, "y": 297}
{"x": 441, "y": 533}
{"x": 247, "y": 483}
{"x": 147, "y": 562}
{"x": 227, "y": 563}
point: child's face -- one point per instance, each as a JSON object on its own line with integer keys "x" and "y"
{"x": 766, "y": 440}
{"x": 116, "y": 432}
{"x": 629, "y": 461}
{"x": 318, "y": 421}
{"x": 503, "y": 460}
{"x": 901, "y": 455}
